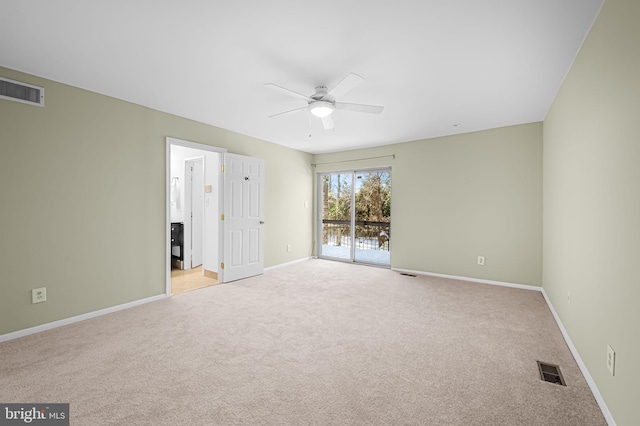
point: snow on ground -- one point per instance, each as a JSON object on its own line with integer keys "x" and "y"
{"x": 362, "y": 255}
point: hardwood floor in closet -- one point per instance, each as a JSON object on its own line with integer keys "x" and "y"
{"x": 189, "y": 279}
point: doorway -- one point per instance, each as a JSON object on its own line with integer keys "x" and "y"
{"x": 237, "y": 194}
{"x": 193, "y": 210}
{"x": 355, "y": 216}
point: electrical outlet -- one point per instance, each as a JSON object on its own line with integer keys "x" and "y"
{"x": 481, "y": 260}
{"x": 288, "y": 247}
{"x": 39, "y": 295}
{"x": 611, "y": 360}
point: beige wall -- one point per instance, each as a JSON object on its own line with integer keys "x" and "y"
{"x": 83, "y": 201}
{"x": 592, "y": 204}
{"x": 458, "y": 197}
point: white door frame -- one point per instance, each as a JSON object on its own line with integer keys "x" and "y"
{"x": 173, "y": 141}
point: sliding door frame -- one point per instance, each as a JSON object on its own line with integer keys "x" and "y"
{"x": 319, "y": 203}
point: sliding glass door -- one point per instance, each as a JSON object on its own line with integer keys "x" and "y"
{"x": 355, "y": 216}
{"x": 372, "y": 216}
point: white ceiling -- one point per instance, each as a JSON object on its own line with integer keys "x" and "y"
{"x": 439, "y": 67}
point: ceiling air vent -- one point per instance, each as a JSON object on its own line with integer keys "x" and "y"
{"x": 21, "y": 92}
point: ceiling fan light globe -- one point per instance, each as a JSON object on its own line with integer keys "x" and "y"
{"x": 321, "y": 108}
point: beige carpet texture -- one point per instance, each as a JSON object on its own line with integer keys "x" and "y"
{"x": 312, "y": 343}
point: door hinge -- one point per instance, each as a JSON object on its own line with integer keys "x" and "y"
{"x": 223, "y": 168}
{"x": 222, "y": 216}
{"x": 222, "y": 265}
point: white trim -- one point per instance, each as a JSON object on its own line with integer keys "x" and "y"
{"x": 78, "y": 318}
{"x": 270, "y": 268}
{"x": 167, "y": 219}
{"x": 317, "y": 224}
{"x": 20, "y": 83}
{"x": 583, "y": 368}
{"x": 195, "y": 145}
{"x": 475, "y": 280}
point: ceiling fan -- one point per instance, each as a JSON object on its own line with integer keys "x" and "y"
{"x": 323, "y": 102}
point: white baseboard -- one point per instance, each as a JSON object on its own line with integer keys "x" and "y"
{"x": 475, "y": 280}
{"x": 77, "y": 318}
{"x": 583, "y": 368}
{"x": 270, "y": 268}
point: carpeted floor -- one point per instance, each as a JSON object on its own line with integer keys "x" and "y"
{"x": 313, "y": 343}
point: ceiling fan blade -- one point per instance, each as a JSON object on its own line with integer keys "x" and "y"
{"x": 287, "y": 112}
{"x": 327, "y": 122}
{"x": 348, "y": 83}
{"x": 371, "y": 109}
{"x": 288, "y": 92}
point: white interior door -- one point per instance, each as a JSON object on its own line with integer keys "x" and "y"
{"x": 195, "y": 170}
{"x": 243, "y": 217}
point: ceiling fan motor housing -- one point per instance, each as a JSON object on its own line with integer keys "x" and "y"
{"x": 321, "y": 92}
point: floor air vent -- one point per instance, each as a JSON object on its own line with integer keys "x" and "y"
{"x": 550, "y": 373}
{"x": 21, "y": 92}
{"x": 407, "y": 275}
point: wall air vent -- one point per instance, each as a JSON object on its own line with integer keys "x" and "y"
{"x": 21, "y": 92}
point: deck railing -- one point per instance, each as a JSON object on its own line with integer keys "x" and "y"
{"x": 369, "y": 235}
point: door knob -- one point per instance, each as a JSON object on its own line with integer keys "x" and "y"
{"x": 262, "y": 222}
